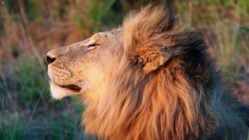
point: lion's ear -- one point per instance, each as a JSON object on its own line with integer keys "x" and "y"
{"x": 155, "y": 60}
{"x": 145, "y": 34}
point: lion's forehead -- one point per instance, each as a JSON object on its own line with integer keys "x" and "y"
{"x": 110, "y": 37}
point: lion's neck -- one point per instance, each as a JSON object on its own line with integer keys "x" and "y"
{"x": 163, "y": 106}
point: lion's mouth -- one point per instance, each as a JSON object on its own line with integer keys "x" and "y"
{"x": 71, "y": 87}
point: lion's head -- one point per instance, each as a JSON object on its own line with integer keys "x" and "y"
{"x": 82, "y": 66}
{"x": 148, "y": 79}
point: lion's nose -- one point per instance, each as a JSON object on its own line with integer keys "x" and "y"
{"x": 50, "y": 59}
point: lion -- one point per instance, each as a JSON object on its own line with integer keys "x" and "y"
{"x": 149, "y": 79}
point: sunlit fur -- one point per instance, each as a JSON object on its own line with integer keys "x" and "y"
{"x": 57, "y": 92}
{"x": 162, "y": 86}
{"x": 149, "y": 79}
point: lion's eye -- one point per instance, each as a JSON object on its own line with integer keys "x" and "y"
{"x": 92, "y": 46}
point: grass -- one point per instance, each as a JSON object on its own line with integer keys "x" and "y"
{"x": 11, "y": 128}
{"x": 28, "y": 29}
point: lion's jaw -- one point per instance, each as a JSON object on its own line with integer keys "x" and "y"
{"x": 57, "y": 92}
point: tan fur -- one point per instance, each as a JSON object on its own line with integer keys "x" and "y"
{"x": 148, "y": 80}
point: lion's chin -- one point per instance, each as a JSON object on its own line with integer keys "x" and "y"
{"x": 59, "y": 92}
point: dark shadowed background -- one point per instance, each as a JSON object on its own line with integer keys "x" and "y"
{"x": 29, "y": 28}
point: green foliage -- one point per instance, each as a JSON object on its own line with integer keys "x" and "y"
{"x": 32, "y": 82}
{"x": 64, "y": 129}
{"x": 114, "y": 14}
{"x": 242, "y": 4}
{"x": 14, "y": 127}
{"x": 11, "y": 5}
{"x": 32, "y": 10}
{"x": 79, "y": 108}
{"x": 100, "y": 15}
{"x": 11, "y": 132}
{"x": 1, "y": 88}
{"x": 98, "y": 11}
{"x": 11, "y": 128}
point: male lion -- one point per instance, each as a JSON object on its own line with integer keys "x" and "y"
{"x": 147, "y": 80}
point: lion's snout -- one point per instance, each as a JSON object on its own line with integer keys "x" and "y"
{"x": 50, "y": 59}
{"x": 60, "y": 73}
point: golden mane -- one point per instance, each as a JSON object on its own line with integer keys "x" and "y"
{"x": 160, "y": 86}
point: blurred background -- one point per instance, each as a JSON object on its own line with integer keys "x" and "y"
{"x": 29, "y": 28}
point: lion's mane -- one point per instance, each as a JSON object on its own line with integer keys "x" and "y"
{"x": 142, "y": 99}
